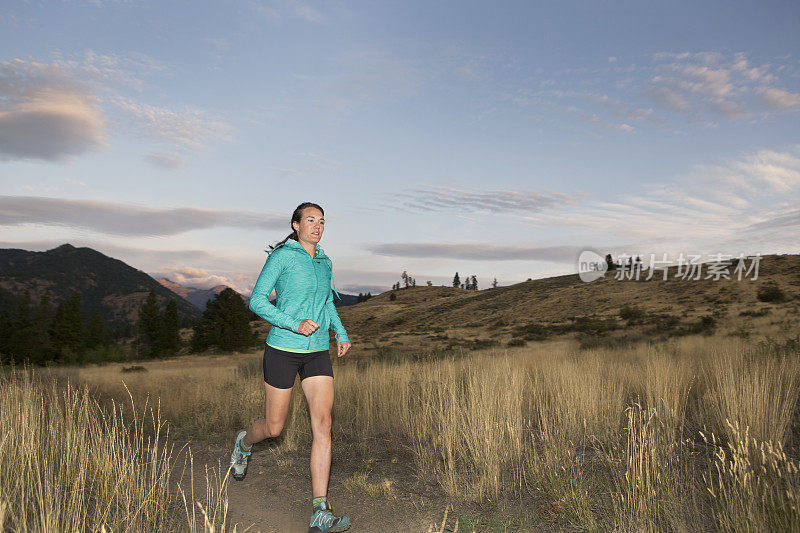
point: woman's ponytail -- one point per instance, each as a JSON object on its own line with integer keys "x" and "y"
{"x": 292, "y": 235}
{"x": 296, "y": 216}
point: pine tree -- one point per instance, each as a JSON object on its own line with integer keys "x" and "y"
{"x": 225, "y": 324}
{"x": 97, "y": 334}
{"x": 22, "y": 344}
{"x": 6, "y": 327}
{"x": 494, "y": 283}
{"x": 474, "y": 283}
{"x": 406, "y": 279}
{"x": 42, "y": 318}
{"x": 66, "y": 331}
{"x": 170, "y": 329}
{"x": 149, "y": 327}
{"x": 456, "y": 281}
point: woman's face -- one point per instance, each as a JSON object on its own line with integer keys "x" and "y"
{"x": 311, "y": 225}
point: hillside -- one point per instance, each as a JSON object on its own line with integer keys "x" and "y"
{"x": 442, "y": 318}
{"x": 109, "y": 286}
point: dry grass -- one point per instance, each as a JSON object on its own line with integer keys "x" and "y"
{"x": 593, "y": 439}
{"x": 70, "y": 465}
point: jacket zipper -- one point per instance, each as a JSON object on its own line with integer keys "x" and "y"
{"x": 314, "y": 301}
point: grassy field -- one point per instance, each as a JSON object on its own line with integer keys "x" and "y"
{"x": 695, "y": 433}
{"x": 70, "y": 464}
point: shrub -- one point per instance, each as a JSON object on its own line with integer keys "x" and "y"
{"x": 756, "y": 313}
{"x": 531, "y": 332}
{"x": 516, "y": 342}
{"x": 633, "y": 314}
{"x": 705, "y": 325}
{"x": 770, "y": 292}
{"x": 665, "y": 322}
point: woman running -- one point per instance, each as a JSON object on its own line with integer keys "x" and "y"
{"x": 298, "y": 342}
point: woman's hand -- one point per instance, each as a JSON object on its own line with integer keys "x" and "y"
{"x": 307, "y": 327}
{"x": 342, "y": 348}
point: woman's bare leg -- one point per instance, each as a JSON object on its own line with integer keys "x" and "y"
{"x": 319, "y": 394}
{"x": 277, "y": 408}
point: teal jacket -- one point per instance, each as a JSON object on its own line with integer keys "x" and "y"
{"x": 303, "y": 290}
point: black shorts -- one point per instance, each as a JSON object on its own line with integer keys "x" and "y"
{"x": 281, "y": 367}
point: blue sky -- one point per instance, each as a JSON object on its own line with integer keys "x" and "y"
{"x": 498, "y": 139}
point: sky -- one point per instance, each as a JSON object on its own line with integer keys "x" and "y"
{"x": 495, "y": 139}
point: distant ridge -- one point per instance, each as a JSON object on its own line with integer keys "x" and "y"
{"x": 108, "y": 286}
{"x": 197, "y": 297}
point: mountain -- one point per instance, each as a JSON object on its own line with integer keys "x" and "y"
{"x": 424, "y": 319}
{"x": 197, "y": 297}
{"x": 345, "y": 299}
{"x": 109, "y": 286}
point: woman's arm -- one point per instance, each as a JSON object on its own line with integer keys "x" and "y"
{"x": 336, "y": 322}
{"x": 259, "y": 299}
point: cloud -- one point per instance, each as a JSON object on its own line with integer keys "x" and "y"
{"x": 116, "y": 218}
{"x": 713, "y": 205}
{"x": 478, "y": 251}
{"x": 54, "y": 110}
{"x": 169, "y": 162}
{"x": 189, "y": 127}
{"x": 787, "y": 219}
{"x": 51, "y": 125}
{"x": 778, "y": 99}
{"x": 699, "y": 88}
{"x": 713, "y": 83}
{"x": 435, "y": 198}
{"x": 201, "y": 278}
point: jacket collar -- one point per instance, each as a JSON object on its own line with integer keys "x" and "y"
{"x": 297, "y": 247}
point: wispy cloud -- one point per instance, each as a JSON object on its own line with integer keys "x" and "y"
{"x": 712, "y": 83}
{"x": 478, "y": 251}
{"x": 687, "y": 87}
{"x": 750, "y": 199}
{"x": 190, "y": 127}
{"x": 778, "y": 99}
{"x": 116, "y": 218}
{"x": 436, "y": 198}
{"x": 169, "y": 162}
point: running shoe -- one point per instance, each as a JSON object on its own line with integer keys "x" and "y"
{"x": 324, "y": 521}
{"x": 239, "y": 458}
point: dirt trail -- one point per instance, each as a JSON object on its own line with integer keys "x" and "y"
{"x": 275, "y": 496}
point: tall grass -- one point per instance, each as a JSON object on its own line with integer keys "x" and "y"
{"x": 71, "y": 465}
{"x": 608, "y": 438}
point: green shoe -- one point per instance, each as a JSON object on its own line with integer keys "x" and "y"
{"x": 239, "y": 459}
{"x": 324, "y": 521}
